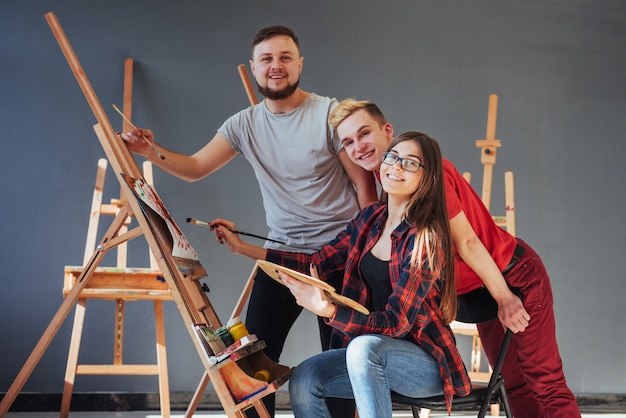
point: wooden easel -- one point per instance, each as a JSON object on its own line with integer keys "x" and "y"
{"x": 488, "y": 147}
{"x": 119, "y": 284}
{"x": 232, "y": 375}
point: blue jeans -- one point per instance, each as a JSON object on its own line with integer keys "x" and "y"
{"x": 367, "y": 371}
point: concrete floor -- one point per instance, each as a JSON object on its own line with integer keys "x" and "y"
{"x": 217, "y": 414}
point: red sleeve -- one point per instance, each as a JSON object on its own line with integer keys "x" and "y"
{"x": 451, "y": 177}
{"x": 460, "y": 196}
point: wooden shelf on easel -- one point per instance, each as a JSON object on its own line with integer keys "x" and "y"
{"x": 120, "y": 283}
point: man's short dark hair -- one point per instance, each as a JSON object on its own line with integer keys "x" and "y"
{"x": 272, "y": 31}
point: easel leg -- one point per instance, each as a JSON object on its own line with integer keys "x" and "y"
{"x": 245, "y": 293}
{"x": 72, "y": 357}
{"x": 164, "y": 388}
{"x": 195, "y": 401}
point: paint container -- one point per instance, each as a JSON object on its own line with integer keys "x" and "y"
{"x": 237, "y": 329}
{"x": 225, "y": 336}
{"x": 263, "y": 375}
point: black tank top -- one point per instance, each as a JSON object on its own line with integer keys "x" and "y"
{"x": 376, "y": 276}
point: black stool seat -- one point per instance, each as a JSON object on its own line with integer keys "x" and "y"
{"x": 438, "y": 403}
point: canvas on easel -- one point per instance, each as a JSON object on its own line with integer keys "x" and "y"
{"x": 232, "y": 378}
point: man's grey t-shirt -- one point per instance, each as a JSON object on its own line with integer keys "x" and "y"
{"x": 307, "y": 195}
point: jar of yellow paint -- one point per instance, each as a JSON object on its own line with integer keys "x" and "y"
{"x": 237, "y": 329}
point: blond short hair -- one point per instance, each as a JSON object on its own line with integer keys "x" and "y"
{"x": 348, "y": 106}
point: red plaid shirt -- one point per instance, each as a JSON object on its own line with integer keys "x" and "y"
{"x": 413, "y": 306}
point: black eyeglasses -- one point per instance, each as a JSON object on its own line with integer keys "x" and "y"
{"x": 407, "y": 164}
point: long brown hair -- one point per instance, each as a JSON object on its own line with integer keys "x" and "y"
{"x": 427, "y": 211}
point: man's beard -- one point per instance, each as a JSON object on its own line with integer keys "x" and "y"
{"x": 278, "y": 94}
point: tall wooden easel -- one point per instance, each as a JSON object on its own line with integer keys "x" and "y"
{"x": 234, "y": 374}
{"x": 488, "y": 147}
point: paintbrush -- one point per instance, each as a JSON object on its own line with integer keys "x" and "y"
{"x": 156, "y": 151}
{"x": 235, "y": 231}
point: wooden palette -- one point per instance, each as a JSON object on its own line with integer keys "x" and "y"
{"x": 272, "y": 270}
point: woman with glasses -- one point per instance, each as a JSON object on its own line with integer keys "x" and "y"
{"x": 397, "y": 256}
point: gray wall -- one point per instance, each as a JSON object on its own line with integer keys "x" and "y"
{"x": 558, "y": 67}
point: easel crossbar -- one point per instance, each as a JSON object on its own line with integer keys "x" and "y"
{"x": 120, "y": 239}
